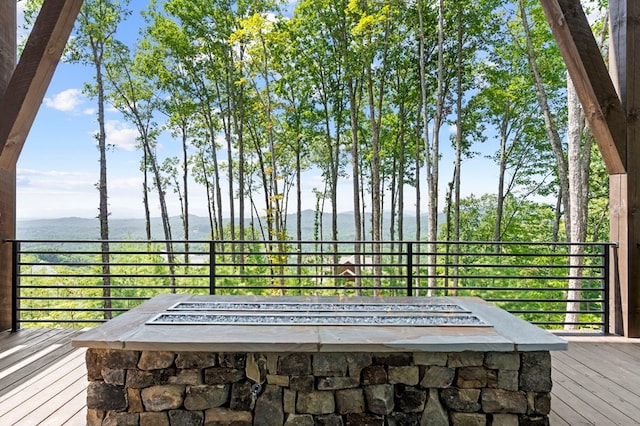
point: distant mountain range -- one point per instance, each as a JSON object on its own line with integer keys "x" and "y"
{"x": 74, "y": 228}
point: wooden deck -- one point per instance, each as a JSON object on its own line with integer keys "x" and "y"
{"x": 42, "y": 380}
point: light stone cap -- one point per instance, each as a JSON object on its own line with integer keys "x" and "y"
{"x": 129, "y": 331}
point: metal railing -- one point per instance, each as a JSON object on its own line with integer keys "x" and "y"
{"x": 66, "y": 283}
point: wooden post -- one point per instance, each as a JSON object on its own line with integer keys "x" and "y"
{"x": 624, "y": 196}
{"x": 8, "y": 51}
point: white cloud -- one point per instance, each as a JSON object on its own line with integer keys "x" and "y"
{"x": 67, "y": 100}
{"x": 121, "y": 136}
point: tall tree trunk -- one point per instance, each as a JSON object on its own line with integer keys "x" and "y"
{"x": 102, "y": 185}
{"x": 549, "y": 123}
{"x": 578, "y": 163}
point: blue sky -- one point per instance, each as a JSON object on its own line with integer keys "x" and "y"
{"x": 58, "y": 167}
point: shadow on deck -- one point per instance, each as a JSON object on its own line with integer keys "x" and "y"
{"x": 43, "y": 380}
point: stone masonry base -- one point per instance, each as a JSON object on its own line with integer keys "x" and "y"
{"x": 424, "y": 388}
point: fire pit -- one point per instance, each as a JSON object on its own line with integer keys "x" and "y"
{"x": 180, "y": 359}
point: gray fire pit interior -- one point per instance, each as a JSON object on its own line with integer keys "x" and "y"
{"x": 314, "y": 313}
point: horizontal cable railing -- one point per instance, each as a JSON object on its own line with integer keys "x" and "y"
{"x": 80, "y": 283}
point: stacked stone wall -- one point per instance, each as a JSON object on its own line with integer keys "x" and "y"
{"x": 332, "y": 389}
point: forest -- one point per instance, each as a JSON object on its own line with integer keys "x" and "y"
{"x": 380, "y": 93}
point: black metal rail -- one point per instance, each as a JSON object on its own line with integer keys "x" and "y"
{"x": 553, "y": 285}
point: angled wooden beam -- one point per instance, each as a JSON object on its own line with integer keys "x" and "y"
{"x": 599, "y": 99}
{"x": 32, "y": 75}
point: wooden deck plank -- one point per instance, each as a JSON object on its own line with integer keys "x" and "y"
{"x": 70, "y": 366}
{"x": 588, "y": 381}
{"x": 562, "y": 414}
{"x": 26, "y": 368}
{"x": 595, "y": 382}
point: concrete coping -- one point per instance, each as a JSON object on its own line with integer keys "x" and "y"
{"x": 505, "y": 333}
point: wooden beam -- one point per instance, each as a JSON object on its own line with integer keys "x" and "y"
{"x": 32, "y": 75}
{"x": 599, "y": 99}
{"x": 8, "y": 51}
{"x": 7, "y": 43}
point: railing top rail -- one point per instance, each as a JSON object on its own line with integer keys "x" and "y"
{"x": 328, "y": 242}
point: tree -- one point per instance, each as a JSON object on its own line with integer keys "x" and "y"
{"x": 90, "y": 45}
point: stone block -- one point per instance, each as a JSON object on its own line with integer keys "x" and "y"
{"x": 114, "y": 376}
{"x": 430, "y": 358}
{"x": 154, "y": 419}
{"x": 508, "y": 380}
{"x": 406, "y": 375}
{"x": 350, "y": 401}
{"x": 275, "y": 379}
{"x": 103, "y": 396}
{"x": 504, "y": 420}
{"x": 222, "y": 375}
{"x": 269, "y": 407}
{"x": 203, "y": 397}
{"x": 163, "y": 397}
{"x": 364, "y": 419}
{"x": 186, "y": 418}
{"x": 434, "y": 413}
{"x": 334, "y": 383}
{"x": 94, "y": 417}
{"x": 315, "y": 402}
{"x": 374, "y": 375}
{"x": 538, "y": 403}
{"x": 187, "y": 376}
{"x": 241, "y": 396}
{"x": 145, "y": 378}
{"x": 393, "y": 358}
{"x": 329, "y": 364}
{"x": 299, "y": 420}
{"x": 465, "y": 359}
{"x": 224, "y": 416}
{"x": 232, "y": 360}
{"x": 468, "y": 419}
{"x": 472, "y": 377}
{"x": 464, "y": 400}
{"x": 380, "y": 398}
{"x": 535, "y": 371}
{"x": 356, "y": 362}
{"x": 438, "y": 377}
{"x": 301, "y": 383}
{"x": 289, "y": 401}
{"x": 121, "y": 419}
{"x": 155, "y": 360}
{"x": 135, "y": 401}
{"x": 196, "y": 360}
{"x": 398, "y": 418}
{"x": 295, "y": 364}
{"x": 113, "y": 358}
{"x": 526, "y": 420}
{"x": 328, "y": 420}
{"x": 409, "y": 399}
{"x": 502, "y": 360}
{"x": 503, "y": 401}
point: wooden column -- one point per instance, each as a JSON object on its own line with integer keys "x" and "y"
{"x": 8, "y": 50}
{"x": 624, "y": 197}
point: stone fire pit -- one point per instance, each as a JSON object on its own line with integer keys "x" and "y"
{"x": 215, "y": 360}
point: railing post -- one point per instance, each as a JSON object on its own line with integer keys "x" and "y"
{"x": 212, "y": 267}
{"x": 606, "y": 259}
{"x": 409, "y": 269}
{"x": 15, "y": 281}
